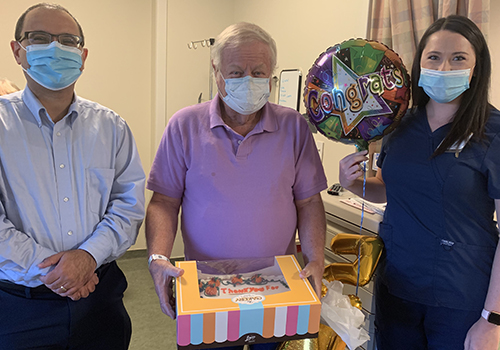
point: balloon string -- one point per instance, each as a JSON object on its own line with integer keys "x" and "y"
{"x": 361, "y": 225}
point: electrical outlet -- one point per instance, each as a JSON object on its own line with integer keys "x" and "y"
{"x": 319, "y": 146}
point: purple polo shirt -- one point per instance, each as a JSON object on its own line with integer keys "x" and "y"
{"x": 237, "y": 192}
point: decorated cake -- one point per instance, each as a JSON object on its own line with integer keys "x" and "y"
{"x": 262, "y": 282}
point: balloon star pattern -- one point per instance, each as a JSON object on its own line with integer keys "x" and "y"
{"x": 357, "y": 91}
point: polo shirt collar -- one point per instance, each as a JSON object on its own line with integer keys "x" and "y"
{"x": 38, "y": 110}
{"x": 267, "y": 123}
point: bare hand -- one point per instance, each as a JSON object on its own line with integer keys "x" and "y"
{"x": 84, "y": 291}
{"x": 482, "y": 336}
{"x": 163, "y": 273}
{"x": 314, "y": 270}
{"x": 350, "y": 169}
{"x": 73, "y": 275}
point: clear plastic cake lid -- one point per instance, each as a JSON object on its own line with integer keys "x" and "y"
{"x": 240, "y": 279}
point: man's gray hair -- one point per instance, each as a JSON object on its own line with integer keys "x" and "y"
{"x": 239, "y": 34}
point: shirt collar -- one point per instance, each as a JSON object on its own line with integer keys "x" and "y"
{"x": 267, "y": 123}
{"x": 38, "y": 110}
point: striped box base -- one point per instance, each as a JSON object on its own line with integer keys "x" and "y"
{"x": 205, "y": 323}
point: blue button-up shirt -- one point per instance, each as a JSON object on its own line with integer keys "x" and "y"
{"x": 76, "y": 184}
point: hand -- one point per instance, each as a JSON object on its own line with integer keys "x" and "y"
{"x": 162, "y": 272}
{"x": 74, "y": 271}
{"x": 314, "y": 269}
{"x": 84, "y": 291}
{"x": 350, "y": 169}
{"x": 482, "y": 336}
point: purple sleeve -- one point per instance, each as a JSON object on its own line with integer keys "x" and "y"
{"x": 309, "y": 174}
{"x": 168, "y": 171}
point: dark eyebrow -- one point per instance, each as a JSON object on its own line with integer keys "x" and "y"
{"x": 454, "y": 53}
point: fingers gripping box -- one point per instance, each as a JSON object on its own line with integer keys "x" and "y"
{"x": 236, "y": 302}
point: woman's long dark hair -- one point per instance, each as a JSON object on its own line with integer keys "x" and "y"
{"x": 474, "y": 108}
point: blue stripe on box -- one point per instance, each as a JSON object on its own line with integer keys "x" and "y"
{"x": 196, "y": 329}
{"x": 251, "y": 318}
{"x": 303, "y": 319}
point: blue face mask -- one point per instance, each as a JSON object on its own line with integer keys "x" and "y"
{"x": 246, "y": 95}
{"x": 54, "y": 66}
{"x": 444, "y": 86}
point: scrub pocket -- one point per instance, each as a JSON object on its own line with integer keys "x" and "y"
{"x": 462, "y": 274}
{"x": 99, "y": 183}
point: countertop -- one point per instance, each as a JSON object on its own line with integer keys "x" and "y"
{"x": 335, "y": 207}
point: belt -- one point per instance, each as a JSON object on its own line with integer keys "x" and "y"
{"x": 29, "y": 292}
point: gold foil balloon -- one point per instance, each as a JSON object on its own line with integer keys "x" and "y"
{"x": 327, "y": 340}
{"x": 367, "y": 248}
{"x": 355, "y": 301}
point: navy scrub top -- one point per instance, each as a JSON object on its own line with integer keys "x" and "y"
{"x": 438, "y": 228}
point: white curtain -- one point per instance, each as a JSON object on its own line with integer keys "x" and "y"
{"x": 400, "y": 24}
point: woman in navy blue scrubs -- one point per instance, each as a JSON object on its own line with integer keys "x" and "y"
{"x": 438, "y": 284}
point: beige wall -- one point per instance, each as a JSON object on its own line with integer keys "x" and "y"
{"x": 494, "y": 45}
{"x": 188, "y": 69}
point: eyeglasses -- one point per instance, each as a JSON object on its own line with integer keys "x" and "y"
{"x": 39, "y": 37}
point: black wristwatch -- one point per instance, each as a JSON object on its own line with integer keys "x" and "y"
{"x": 491, "y": 317}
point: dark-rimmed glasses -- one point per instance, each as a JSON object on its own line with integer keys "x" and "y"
{"x": 40, "y": 37}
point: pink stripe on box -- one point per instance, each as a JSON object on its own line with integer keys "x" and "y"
{"x": 184, "y": 330}
{"x": 233, "y": 325}
{"x": 292, "y": 317}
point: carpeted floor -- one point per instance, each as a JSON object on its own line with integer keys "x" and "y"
{"x": 151, "y": 329}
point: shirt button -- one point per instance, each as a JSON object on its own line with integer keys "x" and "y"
{"x": 61, "y": 166}
{"x": 239, "y": 142}
{"x": 70, "y": 233}
{"x": 58, "y": 134}
{"x": 66, "y": 199}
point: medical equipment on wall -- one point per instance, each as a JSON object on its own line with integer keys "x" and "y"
{"x": 205, "y": 43}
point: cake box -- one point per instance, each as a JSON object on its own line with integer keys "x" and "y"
{"x": 237, "y": 302}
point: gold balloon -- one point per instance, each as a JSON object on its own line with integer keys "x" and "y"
{"x": 355, "y": 301}
{"x": 367, "y": 248}
{"x": 327, "y": 340}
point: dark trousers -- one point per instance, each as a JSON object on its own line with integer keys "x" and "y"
{"x": 36, "y": 318}
{"x": 402, "y": 324}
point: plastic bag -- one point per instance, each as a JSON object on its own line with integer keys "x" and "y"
{"x": 346, "y": 320}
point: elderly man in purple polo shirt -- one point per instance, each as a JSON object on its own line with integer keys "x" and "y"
{"x": 246, "y": 171}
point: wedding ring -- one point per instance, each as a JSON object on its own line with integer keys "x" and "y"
{"x": 63, "y": 289}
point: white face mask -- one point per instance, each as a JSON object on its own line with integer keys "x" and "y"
{"x": 246, "y": 95}
{"x": 444, "y": 86}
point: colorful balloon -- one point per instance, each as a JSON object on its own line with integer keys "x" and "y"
{"x": 357, "y": 91}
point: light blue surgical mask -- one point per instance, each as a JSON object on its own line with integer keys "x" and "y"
{"x": 54, "y": 66}
{"x": 246, "y": 95}
{"x": 444, "y": 86}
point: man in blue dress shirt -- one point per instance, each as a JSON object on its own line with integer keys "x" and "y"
{"x": 71, "y": 198}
